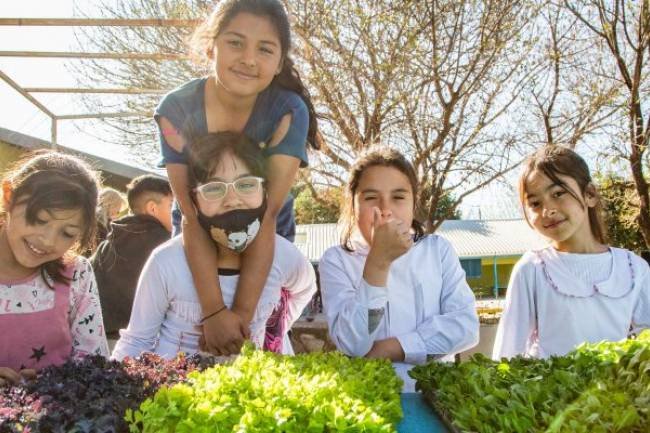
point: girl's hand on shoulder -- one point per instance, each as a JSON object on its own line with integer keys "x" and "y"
{"x": 391, "y": 237}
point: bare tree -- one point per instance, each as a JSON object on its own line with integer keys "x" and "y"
{"x": 623, "y": 29}
{"x": 138, "y": 132}
{"x": 437, "y": 79}
{"x": 570, "y": 100}
{"x": 356, "y": 57}
{"x": 443, "y": 81}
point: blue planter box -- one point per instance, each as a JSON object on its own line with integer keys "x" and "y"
{"x": 418, "y": 416}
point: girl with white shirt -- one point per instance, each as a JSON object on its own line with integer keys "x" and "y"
{"x": 389, "y": 291}
{"x": 578, "y": 289}
{"x": 227, "y": 170}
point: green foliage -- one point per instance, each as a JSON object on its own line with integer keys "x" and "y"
{"x": 325, "y": 209}
{"x": 266, "y": 392}
{"x": 447, "y": 208}
{"x": 620, "y": 205}
{"x": 602, "y": 387}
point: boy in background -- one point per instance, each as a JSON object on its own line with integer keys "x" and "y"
{"x": 119, "y": 259}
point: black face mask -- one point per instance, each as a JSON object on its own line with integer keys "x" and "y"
{"x": 235, "y": 229}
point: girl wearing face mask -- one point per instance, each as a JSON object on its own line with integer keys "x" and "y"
{"x": 227, "y": 175}
{"x": 578, "y": 289}
{"x": 254, "y": 88}
{"x": 389, "y": 291}
{"x": 48, "y": 296}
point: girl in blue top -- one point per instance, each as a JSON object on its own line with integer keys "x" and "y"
{"x": 254, "y": 89}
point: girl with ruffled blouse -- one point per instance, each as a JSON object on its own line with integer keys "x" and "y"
{"x": 578, "y": 289}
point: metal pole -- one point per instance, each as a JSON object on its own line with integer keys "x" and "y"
{"x": 82, "y": 55}
{"x": 103, "y": 115}
{"x": 496, "y": 278}
{"x": 27, "y": 96}
{"x": 55, "y": 145}
{"x": 109, "y": 22}
{"x": 126, "y": 91}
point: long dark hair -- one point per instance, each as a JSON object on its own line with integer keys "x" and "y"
{"x": 47, "y": 180}
{"x": 202, "y": 43}
{"x": 375, "y": 156}
{"x": 554, "y": 161}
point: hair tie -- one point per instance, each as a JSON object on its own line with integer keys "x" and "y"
{"x": 213, "y": 314}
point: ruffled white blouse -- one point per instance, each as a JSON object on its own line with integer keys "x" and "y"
{"x": 549, "y": 311}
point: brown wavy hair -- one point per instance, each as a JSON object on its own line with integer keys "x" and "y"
{"x": 47, "y": 180}
{"x": 555, "y": 161}
{"x": 202, "y": 40}
{"x": 375, "y": 156}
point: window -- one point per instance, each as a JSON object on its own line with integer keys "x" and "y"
{"x": 472, "y": 267}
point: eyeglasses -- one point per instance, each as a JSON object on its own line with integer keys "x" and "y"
{"x": 217, "y": 190}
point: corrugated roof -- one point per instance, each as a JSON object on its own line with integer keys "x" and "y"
{"x": 481, "y": 238}
{"x": 470, "y": 238}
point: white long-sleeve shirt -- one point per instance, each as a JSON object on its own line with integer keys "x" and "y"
{"x": 426, "y": 304}
{"x": 551, "y": 308}
{"x": 166, "y": 312}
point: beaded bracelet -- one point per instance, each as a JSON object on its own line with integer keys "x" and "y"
{"x": 213, "y": 314}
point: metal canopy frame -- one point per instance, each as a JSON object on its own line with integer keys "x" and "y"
{"x": 28, "y": 92}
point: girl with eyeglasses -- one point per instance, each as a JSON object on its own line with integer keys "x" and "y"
{"x": 227, "y": 176}
{"x": 253, "y": 88}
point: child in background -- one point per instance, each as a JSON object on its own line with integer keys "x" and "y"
{"x": 111, "y": 205}
{"x": 578, "y": 289}
{"x": 227, "y": 177}
{"x": 119, "y": 259}
{"x": 49, "y": 304}
{"x": 256, "y": 90}
{"x": 389, "y": 291}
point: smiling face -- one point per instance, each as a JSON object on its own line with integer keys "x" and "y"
{"x": 387, "y": 189}
{"x": 229, "y": 169}
{"x": 557, "y": 214}
{"x": 247, "y": 54}
{"x": 52, "y": 234}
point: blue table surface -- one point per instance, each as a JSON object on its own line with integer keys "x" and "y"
{"x": 418, "y": 416}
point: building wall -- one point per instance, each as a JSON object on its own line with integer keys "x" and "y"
{"x": 8, "y": 155}
{"x": 486, "y": 280}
